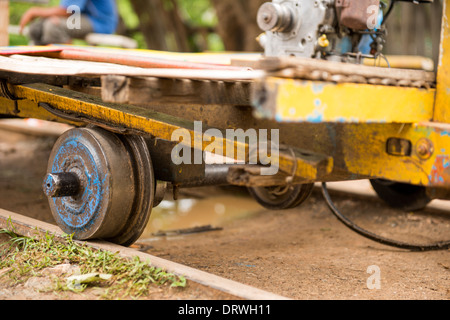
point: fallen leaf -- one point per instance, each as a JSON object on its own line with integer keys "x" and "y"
{"x": 79, "y": 282}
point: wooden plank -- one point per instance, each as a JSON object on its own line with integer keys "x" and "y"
{"x": 4, "y": 22}
{"x": 142, "y": 91}
{"x": 250, "y": 176}
{"x": 56, "y": 67}
{"x": 303, "y": 68}
{"x": 223, "y": 58}
{"x": 137, "y": 60}
{"x": 294, "y": 165}
{"x": 30, "y": 227}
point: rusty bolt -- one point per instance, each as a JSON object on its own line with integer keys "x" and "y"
{"x": 424, "y": 148}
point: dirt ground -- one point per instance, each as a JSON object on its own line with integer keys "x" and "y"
{"x": 303, "y": 253}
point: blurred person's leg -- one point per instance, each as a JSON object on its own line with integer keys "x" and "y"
{"x": 35, "y": 32}
{"x": 57, "y": 30}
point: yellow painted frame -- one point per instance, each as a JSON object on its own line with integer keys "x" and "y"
{"x": 134, "y": 119}
{"x": 318, "y": 101}
{"x": 442, "y": 103}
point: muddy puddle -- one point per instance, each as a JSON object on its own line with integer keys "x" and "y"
{"x": 192, "y": 215}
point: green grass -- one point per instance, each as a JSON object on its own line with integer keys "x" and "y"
{"x": 25, "y": 257}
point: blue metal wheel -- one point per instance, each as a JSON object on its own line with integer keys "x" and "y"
{"x": 100, "y": 185}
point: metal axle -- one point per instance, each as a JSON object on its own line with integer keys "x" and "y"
{"x": 62, "y": 184}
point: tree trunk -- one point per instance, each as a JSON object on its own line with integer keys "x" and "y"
{"x": 237, "y": 24}
{"x": 161, "y": 25}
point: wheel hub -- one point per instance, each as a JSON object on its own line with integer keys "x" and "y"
{"x": 281, "y": 197}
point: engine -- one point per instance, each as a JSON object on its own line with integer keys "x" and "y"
{"x": 339, "y": 30}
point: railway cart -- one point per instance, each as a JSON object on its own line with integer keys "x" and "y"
{"x": 305, "y": 111}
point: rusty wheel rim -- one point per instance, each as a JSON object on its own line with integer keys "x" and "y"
{"x": 144, "y": 185}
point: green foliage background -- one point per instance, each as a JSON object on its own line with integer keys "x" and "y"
{"x": 195, "y": 12}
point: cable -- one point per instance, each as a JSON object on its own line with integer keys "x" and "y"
{"x": 402, "y": 245}
{"x": 385, "y": 59}
{"x": 4, "y": 91}
{"x": 388, "y": 12}
{"x": 71, "y": 116}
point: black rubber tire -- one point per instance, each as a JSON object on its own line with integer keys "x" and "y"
{"x": 406, "y": 197}
{"x": 294, "y": 196}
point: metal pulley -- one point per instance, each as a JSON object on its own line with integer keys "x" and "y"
{"x": 275, "y": 17}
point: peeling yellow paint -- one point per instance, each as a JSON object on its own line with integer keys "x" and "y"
{"x": 366, "y": 154}
{"x": 312, "y": 101}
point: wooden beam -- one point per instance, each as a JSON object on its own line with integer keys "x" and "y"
{"x": 4, "y": 22}
{"x": 135, "y": 119}
{"x": 313, "y": 69}
{"x": 141, "y": 91}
